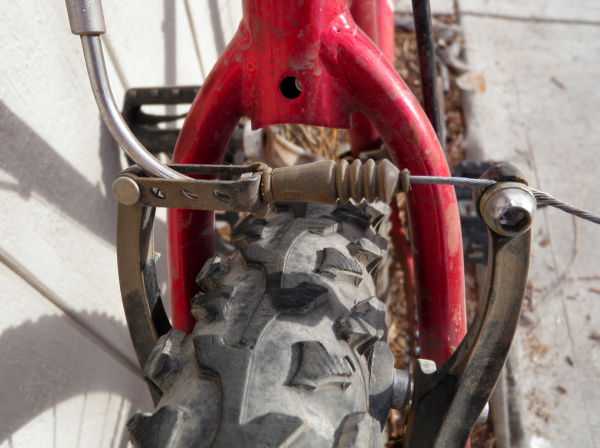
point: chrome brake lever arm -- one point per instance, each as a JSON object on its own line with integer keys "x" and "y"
{"x": 87, "y": 20}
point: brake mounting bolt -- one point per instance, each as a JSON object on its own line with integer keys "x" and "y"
{"x": 126, "y": 191}
{"x": 508, "y": 208}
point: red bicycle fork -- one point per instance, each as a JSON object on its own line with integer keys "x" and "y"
{"x": 376, "y": 19}
{"x": 308, "y": 62}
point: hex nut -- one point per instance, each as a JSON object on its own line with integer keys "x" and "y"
{"x": 508, "y": 208}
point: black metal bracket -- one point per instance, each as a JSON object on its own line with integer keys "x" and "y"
{"x": 145, "y": 125}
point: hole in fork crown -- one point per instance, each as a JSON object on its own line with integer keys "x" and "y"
{"x": 290, "y": 87}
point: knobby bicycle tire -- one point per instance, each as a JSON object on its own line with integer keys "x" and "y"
{"x": 288, "y": 348}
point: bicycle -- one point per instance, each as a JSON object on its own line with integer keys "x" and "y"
{"x": 331, "y": 62}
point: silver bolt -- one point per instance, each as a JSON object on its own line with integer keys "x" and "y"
{"x": 126, "y": 191}
{"x": 508, "y": 208}
{"x": 402, "y": 389}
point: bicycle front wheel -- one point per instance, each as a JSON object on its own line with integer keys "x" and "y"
{"x": 288, "y": 347}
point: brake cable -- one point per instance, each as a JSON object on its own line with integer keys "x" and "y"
{"x": 321, "y": 182}
{"x": 542, "y": 198}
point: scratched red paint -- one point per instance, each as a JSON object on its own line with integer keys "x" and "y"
{"x": 279, "y": 39}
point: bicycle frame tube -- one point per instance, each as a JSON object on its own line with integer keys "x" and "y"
{"x": 376, "y": 19}
{"x": 341, "y": 72}
{"x": 203, "y": 140}
{"x": 363, "y": 136}
{"x": 385, "y": 28}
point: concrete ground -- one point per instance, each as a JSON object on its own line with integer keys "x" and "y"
{"x": 541, "y": 111}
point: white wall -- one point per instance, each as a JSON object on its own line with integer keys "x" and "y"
{"x": 68, "y": 374}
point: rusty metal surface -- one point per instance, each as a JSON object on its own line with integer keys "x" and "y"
{"x": 237, "y": 195}
{"x": 198, "y": 194}
{"x": 207, "y": 170}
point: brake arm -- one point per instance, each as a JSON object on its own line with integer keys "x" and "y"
{"x": 447, "y": 402}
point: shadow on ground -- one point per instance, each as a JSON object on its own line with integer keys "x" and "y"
{"x": 38, "y": 168}
{"x": 41, "y": 368}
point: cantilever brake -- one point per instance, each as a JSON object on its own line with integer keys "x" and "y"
{"x": 447, "y": 402}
